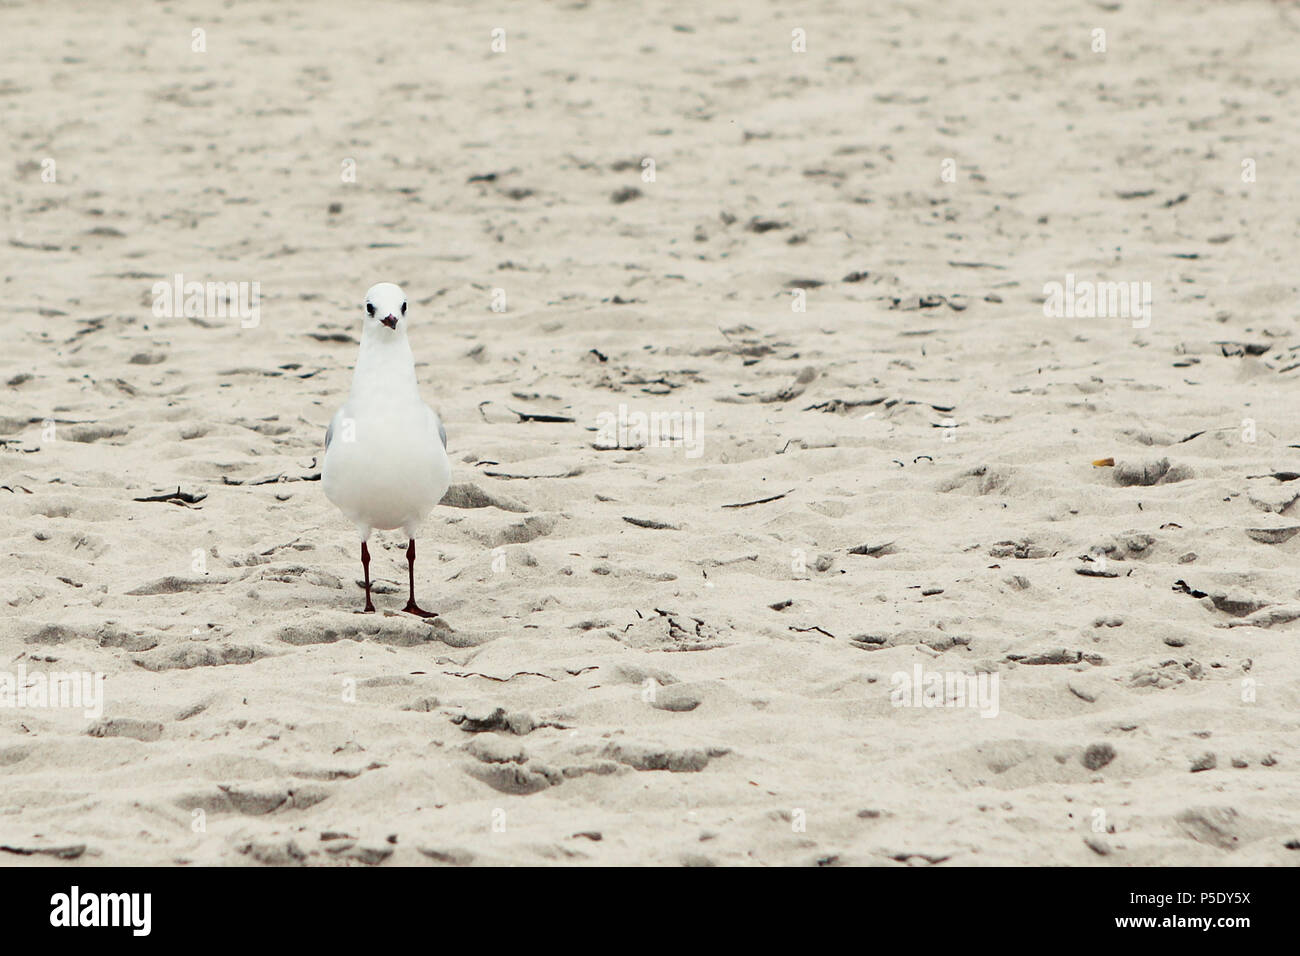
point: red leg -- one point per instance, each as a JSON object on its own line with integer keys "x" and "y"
{"x": 365, "y": 567}
{"x": 411, "y": 606}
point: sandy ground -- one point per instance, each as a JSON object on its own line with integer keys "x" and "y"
{"x": 716, "y": 690}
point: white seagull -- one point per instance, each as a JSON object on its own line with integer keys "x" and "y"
{"x": 385, "y": 450}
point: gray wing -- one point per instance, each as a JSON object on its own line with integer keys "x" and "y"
{"x": 436, "y": 421}
{"x": 329, "y": 432}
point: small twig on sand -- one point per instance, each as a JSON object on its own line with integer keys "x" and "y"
{"x": 874, "y": 550}
{"x": 499, "y": 680}
{"x": 530, "y": 417}
{"x": 759, "y": 501}
{"x": 279, "y": 547}
{"x": 275, "y": 479}
{"x": 176, "y": 497}
{"x": 573, "y": 473}
{"x": 805, "y": 630}
{"x": 648, "y": 523}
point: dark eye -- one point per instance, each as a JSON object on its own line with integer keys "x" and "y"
{"x": 370, "y": 308}
{"x": 403, "y": 308}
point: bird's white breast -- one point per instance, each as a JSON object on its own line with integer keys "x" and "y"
{"x": 383, "y": 468}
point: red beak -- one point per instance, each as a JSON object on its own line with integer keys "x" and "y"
{"x": 390, "y": 321}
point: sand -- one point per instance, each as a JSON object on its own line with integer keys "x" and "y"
{"x": 625, "y": 670}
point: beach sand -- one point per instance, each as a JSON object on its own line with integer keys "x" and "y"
{"x": 625, "y": 669}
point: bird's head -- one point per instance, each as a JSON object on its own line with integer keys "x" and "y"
{"x": 385, "y": 305}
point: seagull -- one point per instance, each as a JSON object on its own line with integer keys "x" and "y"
{"x": 386, "y": 460}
